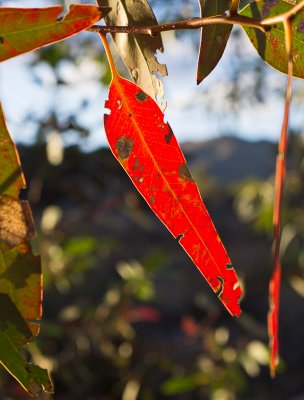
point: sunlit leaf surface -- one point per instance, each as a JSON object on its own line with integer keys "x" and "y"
{"x": 271, "y": 45}
{"x": 148, "y": 151}
{"x": 26, "y": 29}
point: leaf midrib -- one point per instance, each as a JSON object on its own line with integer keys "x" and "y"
{"x": 121, "y": 92}
{"x": 38, "y": 28}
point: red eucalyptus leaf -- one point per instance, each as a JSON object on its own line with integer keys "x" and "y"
{"x": 147, "y": 149}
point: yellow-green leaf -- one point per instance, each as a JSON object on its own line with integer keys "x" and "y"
{"x": 14, "y": 334}
{"x": 271, "y": 45}
{"x": 20, "y": 272}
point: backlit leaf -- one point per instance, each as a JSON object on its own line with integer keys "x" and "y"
{"x": 20, "y": 272}
{"x": 271, "y": 45}
{"x": 213, "y": 38}
{"x": 138, "y": 51}
{"x": 14, "y": 334}
{"x": 148, "y": 151}
{"x": 26, "y": 29}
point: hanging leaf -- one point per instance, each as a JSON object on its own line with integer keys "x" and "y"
{"x": 148, "y": 151}
{"x": 138, "y": 51}
{"x": 27, "y": 29}
{"x": 213, "y": 38}
{"x": 14, "y": 334}
{"x": 20, "y": 272}
{"x": 271, "y": 45}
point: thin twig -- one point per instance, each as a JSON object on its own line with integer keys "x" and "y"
{"x": 283, "y": 17}
{"x": 193, "y": 23}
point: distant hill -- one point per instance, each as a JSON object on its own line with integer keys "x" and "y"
{"x": 227, "y": 160}
{"x": 231, "y": 160}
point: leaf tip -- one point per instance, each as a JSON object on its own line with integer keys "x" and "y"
{"x": 199, "y": 80}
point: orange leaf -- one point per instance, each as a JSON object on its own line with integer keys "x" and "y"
{"x": 27, "y": 29}
{"x": 148, "y": 151}
{"x": 20, "y": 272}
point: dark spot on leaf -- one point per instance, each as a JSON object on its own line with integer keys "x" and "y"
{"x": 1, "y": 39}
{"x": 136, "y": 164}
{"x": 179, "y": 237}
{"x": 141, "y": 169}
{"x": 221, "y": 286}
{"x": 266, "y": 8}
{"x": 265, "y": 11}
{"x": 168, "y": 135}
{"x": 229, "y": 266}
{"x": 141, "y": 96}
{"x": 124, "y": 147}
{"x": 301, "y": 26}
{"x": 34, "y": 388}
{"x": 130, "y": 115}
{"x": 152, "y": 199}
{"x": 184, "y": 173}
{"x": 271, "y": 3}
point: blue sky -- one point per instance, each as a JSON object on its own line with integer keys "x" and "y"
{"x": 186, "y": 102}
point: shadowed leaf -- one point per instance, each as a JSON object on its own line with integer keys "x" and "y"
{"x": 138, "y": 51}
{"x": 213, "y": 38}
{"x": 26, "y": 29}
{"x": 20, "y": 271}
{"x": 148, "y": 151}
{"x": 14, "y": 334}
{"x": 271, "y": 45}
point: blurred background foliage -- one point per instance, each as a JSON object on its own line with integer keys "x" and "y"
{"x": 126, "y": 314}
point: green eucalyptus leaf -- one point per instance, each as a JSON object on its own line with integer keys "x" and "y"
{"x": 213, "y": 38}
{"x": 271, "y": 45}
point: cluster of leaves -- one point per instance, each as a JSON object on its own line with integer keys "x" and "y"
{"x": 141, "y": 141}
